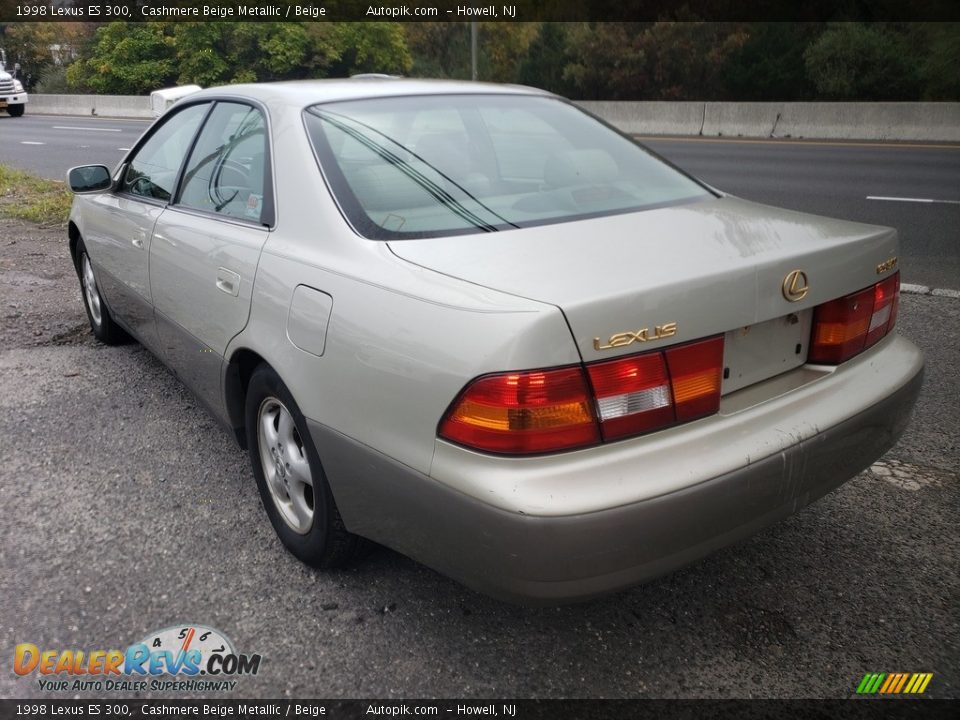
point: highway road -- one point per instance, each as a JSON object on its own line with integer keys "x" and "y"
{"x": 919, "y": 183}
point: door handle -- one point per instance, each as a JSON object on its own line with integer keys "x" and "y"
{"x": 228, "y": 282}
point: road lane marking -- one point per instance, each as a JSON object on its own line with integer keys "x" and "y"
{"x": 91, "y": 129}
{"x": 924, "y": 290}
{"x": 31, "y": 142}
{"x": 908, "y": 476}
{"x": 893, "y": 144}
{"x": 915, "y": 200}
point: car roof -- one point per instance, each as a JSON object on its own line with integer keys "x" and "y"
{"x": 309, "y": 92}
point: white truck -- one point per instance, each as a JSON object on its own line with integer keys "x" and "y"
{"x": 13, "y": 98}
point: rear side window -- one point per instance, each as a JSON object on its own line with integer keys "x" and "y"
{"x": 427, "y": 166}
{"x": 153, "y": 170}
{"x": 227, "y": 168}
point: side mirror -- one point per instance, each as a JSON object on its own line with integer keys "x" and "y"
{"x": 89, "y": 178}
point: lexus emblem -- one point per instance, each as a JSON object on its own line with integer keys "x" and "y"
{"x": 795, "y": 286}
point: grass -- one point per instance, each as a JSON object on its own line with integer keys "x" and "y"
{"x": 28, "y": 197}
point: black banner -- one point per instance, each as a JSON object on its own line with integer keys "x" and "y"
{"x": 861, "y": 709}
{"x": 469, "y": 10}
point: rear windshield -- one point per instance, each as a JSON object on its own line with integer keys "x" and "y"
{"x": 427, "y": 166}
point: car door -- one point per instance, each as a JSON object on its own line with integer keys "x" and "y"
{"x": 207, "y": 243}
{"x": 118, "y": 225}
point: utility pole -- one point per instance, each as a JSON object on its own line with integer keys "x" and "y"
{"x": 473, "y": 50}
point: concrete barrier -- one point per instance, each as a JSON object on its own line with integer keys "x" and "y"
{"x": 749, "y": 119}
{"x": 112, "y": 106}
{"x": 650, "y": 118}
{"x": 917, "y": 121}
{"x": 871, "y": 121}
{"x": 923, "y": 121}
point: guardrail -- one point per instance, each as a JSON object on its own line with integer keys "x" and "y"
{"x": 925, "y": 121}
{"x": 930, "y": 121}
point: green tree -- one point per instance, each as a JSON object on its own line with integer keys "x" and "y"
{"x": 39, "y": 47}
{"x": 442, "y": 49}
{"x": 856, "y": 61}
{"x": 770, "y": 64}
{"x": 608, "y": 61}
{"x": 940, "y": 67}
{"x": 222, "y": 53}
{"x": 685, "y": 60}
{"x": 547, "y": 56}
{"x": 439, "y": 49}
{"x": 651, "y": 61}
{"x": 363, "y": 47}
{"x": 127, "y": 59}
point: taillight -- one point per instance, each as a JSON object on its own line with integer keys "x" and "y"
{"x": 547, "y": 410}
{"x": 847, "y": 326}
{"x": 524, "y": 412}
{"x": 647, "y": 392}
{"x": 633, "y": 394}
{"x": 695, "y": 374}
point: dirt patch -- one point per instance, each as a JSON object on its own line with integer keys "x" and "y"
{"x": 40, "y": 301}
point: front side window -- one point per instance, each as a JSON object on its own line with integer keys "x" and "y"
{"x": 409, "y": 167}
{"x": 153, "y": 170}
{"x": 226, "y": 170}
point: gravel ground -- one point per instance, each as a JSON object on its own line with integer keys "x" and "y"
{"x": 124, "y": 508}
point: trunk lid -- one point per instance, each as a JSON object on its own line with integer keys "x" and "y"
{"x": 712, "y": 267}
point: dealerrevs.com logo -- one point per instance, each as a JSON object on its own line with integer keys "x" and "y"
{"x": 182, "y": 658}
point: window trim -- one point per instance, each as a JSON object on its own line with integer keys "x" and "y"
{"x": 267, "y": 212}
{"x": 268, "y": 215}
{"x": 147, "y": 136}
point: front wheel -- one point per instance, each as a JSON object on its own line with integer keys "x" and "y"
{"x": 102, "y": 324}
{"x": 16, "y": 110}
{"x": 293, "y": 488}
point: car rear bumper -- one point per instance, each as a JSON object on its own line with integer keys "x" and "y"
{"x": 541, "y": 558}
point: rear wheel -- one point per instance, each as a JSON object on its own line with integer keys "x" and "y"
{"x": 293, "y": 488}
{"x": 102, "y": 324}
{"x": 16, "y": 110}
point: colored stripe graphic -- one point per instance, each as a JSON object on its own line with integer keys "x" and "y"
{"x": 894, "y": 683}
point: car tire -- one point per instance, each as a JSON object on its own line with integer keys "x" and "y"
{"x": 293, "y": 488}
{"x": 101, "y": 322}
{"x": 16, "y": 110}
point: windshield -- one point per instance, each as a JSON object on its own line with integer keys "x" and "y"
{"x": 426, "y": 166}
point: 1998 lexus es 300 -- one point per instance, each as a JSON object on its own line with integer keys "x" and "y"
{"x": 477, "y": 325}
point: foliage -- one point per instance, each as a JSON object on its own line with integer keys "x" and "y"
{"x": 855, "y": 61}
{"x": 442, "y": 49}
{"x": 675, "y": 58}
{"x": 608, "y": 63}
{"x": 439, "y": 49}
{"x": 38, "y": 46}
{"x": 549, "y": 53}
{"x": 221, "y": 53}
{"x": 940, "y": 69}
{"x": 352, "y": 48}
{"x": 651, "y": 61}
{"x": 53, "y": 80}
{"x": 127, "y": 59}
{"x": 770, "y": 64}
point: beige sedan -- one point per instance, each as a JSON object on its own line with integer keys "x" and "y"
{"x": 475, "y": 324}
